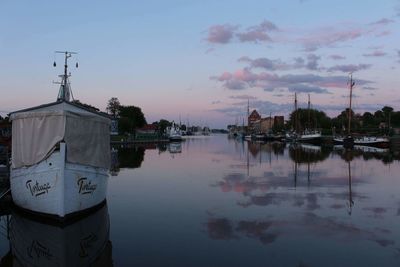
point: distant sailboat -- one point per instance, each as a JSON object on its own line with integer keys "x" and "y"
{"x": 349, "y": 141}
{"x": 311, "y": 136}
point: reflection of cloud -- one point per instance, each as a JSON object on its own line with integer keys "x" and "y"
{"x": 220, "y": 229}
{"x": 257, "y": 230}
{"x": 267, "y": 231}
{"x": 377, "y": 212}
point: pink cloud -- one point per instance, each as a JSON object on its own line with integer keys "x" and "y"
{"x": 221, "y": 34}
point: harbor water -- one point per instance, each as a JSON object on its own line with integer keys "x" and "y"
{"x": 214, "y": 201}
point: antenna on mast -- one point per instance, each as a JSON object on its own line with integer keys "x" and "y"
{"x": 64, "y": 94}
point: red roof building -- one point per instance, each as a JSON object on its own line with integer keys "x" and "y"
{"x": 253, "y": 117}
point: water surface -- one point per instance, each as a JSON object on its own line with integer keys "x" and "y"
{"x": 214, "y": 201}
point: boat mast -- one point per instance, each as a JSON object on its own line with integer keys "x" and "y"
{"x": 65, "y": 92}
{"x": 309, "y": 116}
{"x": 352, "y": 83}
{"x": 296, "y": 113}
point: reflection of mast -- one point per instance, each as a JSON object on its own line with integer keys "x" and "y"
{"x": 308, "y": 171}
{"x": 351, "y": 202}
{"x": 295, "y": 166}
{"x": 248, "y": 163}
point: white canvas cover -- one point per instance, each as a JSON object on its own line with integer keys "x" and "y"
{"x": 37, "y": 131}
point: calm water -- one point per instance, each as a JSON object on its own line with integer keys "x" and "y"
{"x": 217, "y": 202}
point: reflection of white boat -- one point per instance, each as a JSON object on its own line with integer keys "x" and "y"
{"x": 175, "y": 147}
{"x": 382, "y": 142}
{"x": 371, "y": 141}
{"x": 60, "y": 156}
{"x": 365, "y": 149}
{"x": 310, "y": 148}
{"x": 370, "y": 149}
{"x": 174, "y": 132}
{"x": 81, "y": 243}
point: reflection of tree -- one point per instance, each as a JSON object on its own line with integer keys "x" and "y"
{"x": 130, "y": 157}
{"x": 368, "y": 153}
{"x": 303, "y": 154}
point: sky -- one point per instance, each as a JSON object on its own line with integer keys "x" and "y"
{"x": 202, "y": 61}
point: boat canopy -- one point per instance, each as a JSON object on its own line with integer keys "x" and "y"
{"x": 37, "y": 131}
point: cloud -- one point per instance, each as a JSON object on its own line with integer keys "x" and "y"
{"x": 258, "y": 33}
{"x": 276, "y": 64}
{"x": 349, "y": 68}
{"x": 337, "y": 57}
{"x": 383, "y": 21}
{"x": 302, "y": 88}
{"x": 253, "y": 36}
{"x": 243, "y": 97}
{"x": 312, "y": 63}
{"x": 369, "y": 88}
{"x": 221, "y": 34}
{"x": 383, "y": 33}
{"x": 376, "y": 53}
{"x": 265, "y": 63}
{"x": 216, "y": 102}
{"x": 329, "y": 36}
{"x": 245, "y": 78}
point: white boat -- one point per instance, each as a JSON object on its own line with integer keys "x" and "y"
{"x": 60, "y": 156}
{"x": 382, "y": 142}
{"x": 174, "y": 132}
{"x": 311, "y": 137}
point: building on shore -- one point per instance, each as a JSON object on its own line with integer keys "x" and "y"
{"x": 257, "y": 124}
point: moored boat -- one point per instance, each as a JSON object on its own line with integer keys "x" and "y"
{"x": 174, "y": 132}
{"x": 60, "y": 156}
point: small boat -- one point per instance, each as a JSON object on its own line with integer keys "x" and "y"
{"x": 310, "y": 137}
{"x": 174, "y": 132}
{"x": 60, "y": 156}
{"x": 381, "y": 142}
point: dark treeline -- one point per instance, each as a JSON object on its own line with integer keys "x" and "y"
{"x": 380, "y": 121}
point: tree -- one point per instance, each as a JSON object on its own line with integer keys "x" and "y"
{"x": 162, "y": 125}
{"x": 130, "y": 118}
{"x": 113, "y": 106}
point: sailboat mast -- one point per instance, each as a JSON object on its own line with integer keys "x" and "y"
{"x": 350, "y": 102}
{"x": 309, "y": 110}
{"x": 296, "y": 113}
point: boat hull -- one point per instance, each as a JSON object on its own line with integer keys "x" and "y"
{"x": 58, "y": 189}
